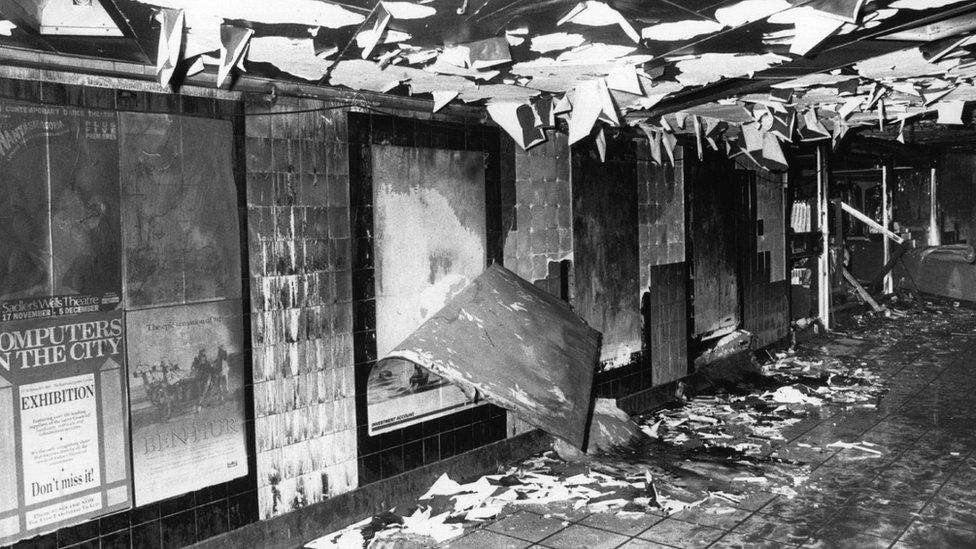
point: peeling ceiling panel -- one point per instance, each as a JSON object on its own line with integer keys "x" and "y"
{"x": 748, "y": 11}
{"x": 712, "y": 67}
{"x": 900, "y": 64}
{"x": 922, "y": 4}
{"x": 556, "y": 41}
{"x": 295, "y": 56}
{"x": 313, "y": 13}
{"x": 680, "y": 30}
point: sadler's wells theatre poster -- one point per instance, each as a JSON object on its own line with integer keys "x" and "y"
{"x": 60, "y": 233}
{"x": 63, "y": 422}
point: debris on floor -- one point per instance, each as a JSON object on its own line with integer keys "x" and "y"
{"x": 727, "y": 448}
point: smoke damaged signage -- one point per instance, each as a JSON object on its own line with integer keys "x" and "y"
{"x": 187, "y": 398}
{"x": 59, "y": 211}
{"x": 63, "y": 422}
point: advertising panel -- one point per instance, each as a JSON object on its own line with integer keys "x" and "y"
{"x": 431, "y": 237}
{"x": 186, "y": 398}
{"x": 64, "y": 426}
{"x": 180, "y": 215}
{"x": 59, "y": 211}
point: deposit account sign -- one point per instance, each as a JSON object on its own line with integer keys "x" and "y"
{"x": 62, "y": 422}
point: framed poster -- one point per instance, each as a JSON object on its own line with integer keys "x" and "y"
{"x": 63, "y": 423}
{"x": 401, "y": 393}
{"x": 431, "y": 239}
{"x": 180, "y": 210}
{"x": 59, "y": 211}
{"x": 186, "y": 398}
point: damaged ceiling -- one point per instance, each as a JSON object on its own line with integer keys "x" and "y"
{"x": 744, "y": 76}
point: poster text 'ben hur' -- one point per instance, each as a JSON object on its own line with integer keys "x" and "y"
{"x": 57, "y": 344}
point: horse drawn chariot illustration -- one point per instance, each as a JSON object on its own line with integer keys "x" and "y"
{"x": 175, "y": 390}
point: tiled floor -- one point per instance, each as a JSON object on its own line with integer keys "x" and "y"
{"x": 920, "y": 493}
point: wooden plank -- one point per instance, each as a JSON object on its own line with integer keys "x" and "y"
{"x": 870, "y": 222}
{"x": 875, "y": 284}
{"x": 862, "y": 292}
{"x": 886, "y": 283}
{"x": 820, "y": 214}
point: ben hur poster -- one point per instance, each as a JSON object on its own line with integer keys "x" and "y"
{"x": 186, "y": 398}
{"x": 63, "y": 422}
{"x": 59, "y": 204}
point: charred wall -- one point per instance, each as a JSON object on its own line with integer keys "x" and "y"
{"x": 301, "y": 286}
{"x": 661, "y": 216}
{"x": 957, "y": 196}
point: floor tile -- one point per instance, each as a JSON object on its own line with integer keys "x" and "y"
{"x": 852, "y": 521}
{"x": 626, "y": 525}
{"x": 722, "y": 517}
{"x": 951, "y": 516}
{"x": 485, "y": 539}
{"x": 681, "y": 534}
{"x": 578, "y": 536}
{"x": 737, "y": 540}
{"x": 637, "y": 543}
{"x": 783, "y": 530}
{"x": 527, "y": 526}
{"x": 927, "y": 536}
{"x": 858, "y": 541}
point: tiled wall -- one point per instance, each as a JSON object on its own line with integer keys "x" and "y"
{"x": 765, "y": 288}
{"x": 301, "y": 285}
{"x": 542, "y": 233}
{"x": 606, "y": 243}
{"x": 539, "y": 243}
{"x": 661, "y": 212}
{"x": 956, "y": 177}
{"x": 395, "y": 452}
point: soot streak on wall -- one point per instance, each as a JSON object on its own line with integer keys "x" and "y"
{"x": 711, "y": 227}
{"x": 298, "y": 206}
{"x": 431, "y": 237}
{"x": 605, "y": 242}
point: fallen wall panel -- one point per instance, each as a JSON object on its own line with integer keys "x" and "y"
{"x": 516, "y": 346}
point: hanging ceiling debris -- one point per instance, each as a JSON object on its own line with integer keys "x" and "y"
{"x": 737, "y": 70}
